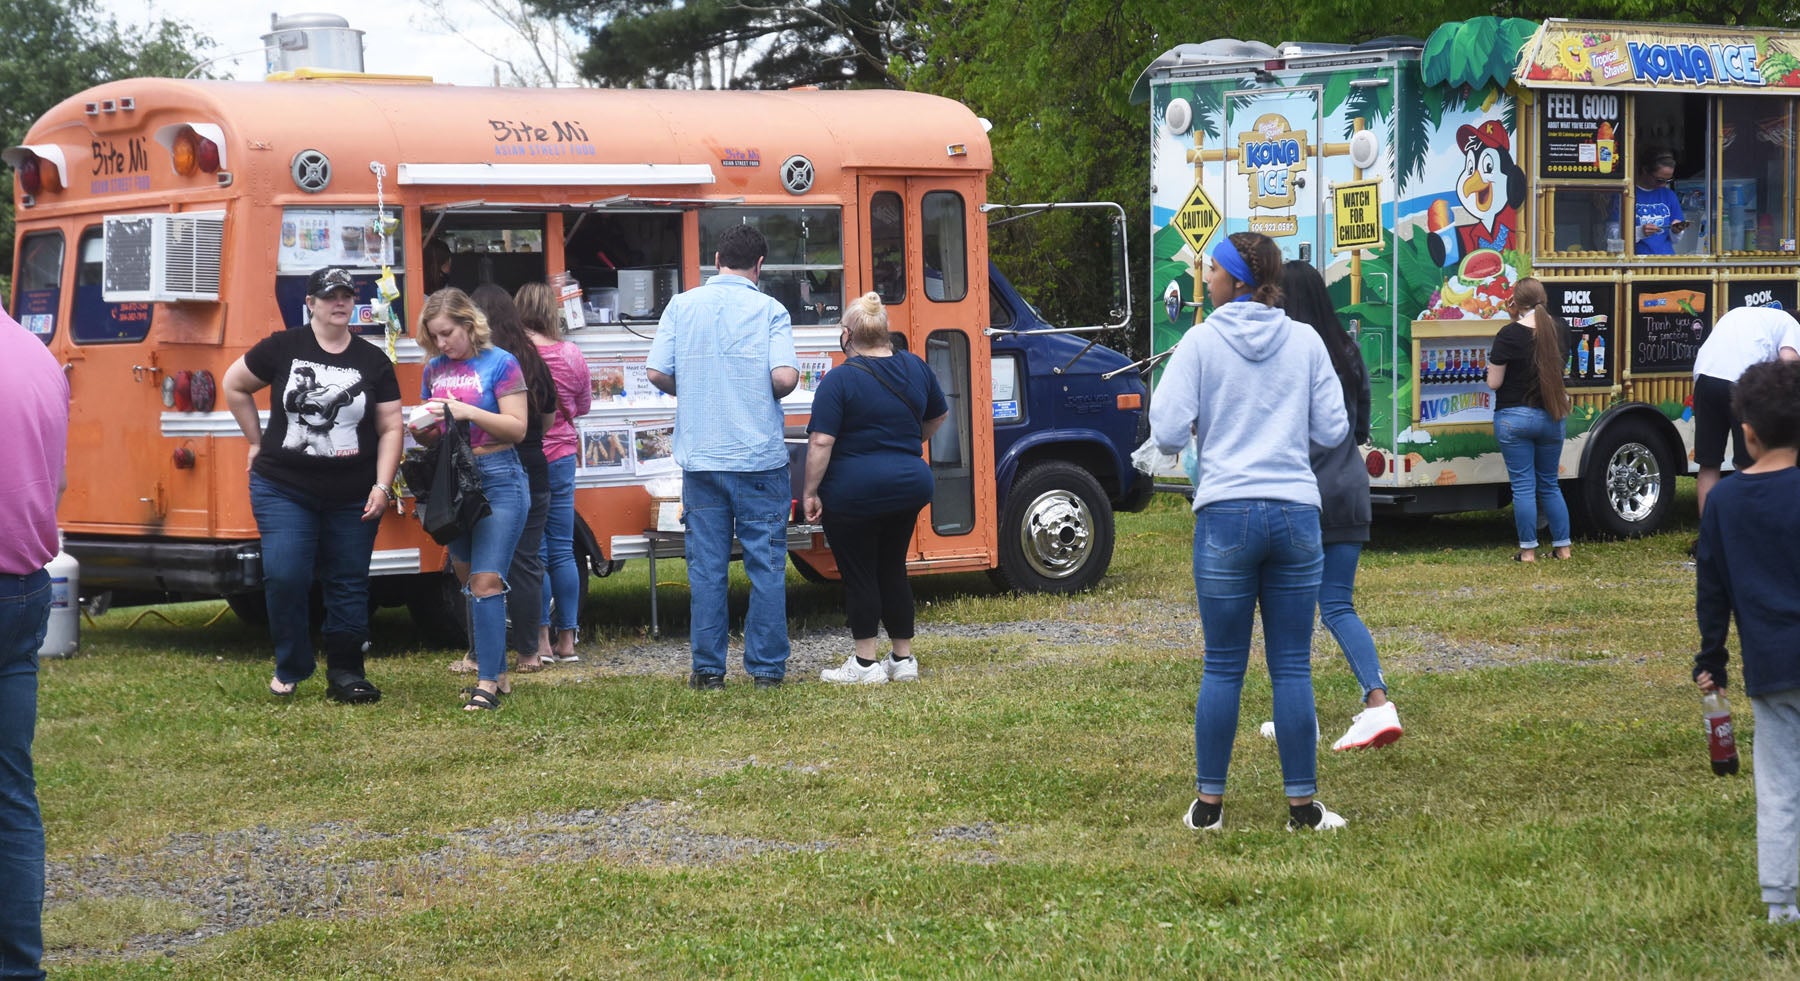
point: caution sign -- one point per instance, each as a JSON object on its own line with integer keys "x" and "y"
{"x": 1197, "y": 219}
{"x": 1356, "y": 215}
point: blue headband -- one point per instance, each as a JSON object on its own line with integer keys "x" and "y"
{"x": 1226, "y": 255}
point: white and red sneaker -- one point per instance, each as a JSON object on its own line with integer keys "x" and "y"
{"x": 1370, "y": 728}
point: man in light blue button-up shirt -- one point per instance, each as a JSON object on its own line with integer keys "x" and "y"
{"x": 727, "y": 351}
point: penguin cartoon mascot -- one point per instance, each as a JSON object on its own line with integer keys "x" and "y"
{"x": 1491, "y": 187}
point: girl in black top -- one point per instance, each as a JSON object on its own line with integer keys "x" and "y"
{"x": 321, "y": 476}
{"x": 1531, "y": 408}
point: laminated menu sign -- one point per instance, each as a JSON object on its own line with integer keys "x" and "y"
{"x": 1581, "y": 136}
{"x": 1588, "y": 310}
{"x": 314, "y": 237}
{"x": 1668, "y": 322}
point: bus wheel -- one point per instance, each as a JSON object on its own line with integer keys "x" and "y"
{"x": 1630, "y": 483}
{"x": 1056, "y": 532}
{"x": 439, "y": 610}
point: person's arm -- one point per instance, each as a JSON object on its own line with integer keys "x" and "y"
{"x": 1175, "y": 405}
{"x": 1330, "y": 421}
{"x": 784, "y": 371}
{"x": 784, "y": 380}
{"x": 1712, "y": 602}
{"x": 506, "y": 426}
{"x": 818, "y": 458}
{"x": 241, "y": 386}
{"x": 578, "y": 373}
{"x": 1498, "y": 356}
{"x": 664, "y": 383}
{"x": 389, "y": 441}
{"x": 931, "y": 425}
{"x": 1496, "y": 375}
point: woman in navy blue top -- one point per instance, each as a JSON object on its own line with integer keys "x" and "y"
{"x": 867, "y": 480}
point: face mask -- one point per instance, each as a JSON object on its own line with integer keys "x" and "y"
{"x": 844, "y": 340}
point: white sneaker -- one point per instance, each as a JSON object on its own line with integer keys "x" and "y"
{"x": 1268, "y": 729}
{"x": 898, "y": 670}
{"x": 853, "y": 673}
{"x": 1329, "y": 820}
{"x": 1370, "y": 728}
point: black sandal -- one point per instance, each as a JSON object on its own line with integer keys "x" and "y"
{"x": 483, "y": 700}
{"x": 353, "y": 691}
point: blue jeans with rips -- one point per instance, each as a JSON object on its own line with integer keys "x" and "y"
{"x": 306, "y": 538}
{"x": 1531, "y": 443}
{"x": 24, "y": 615}
{"x": 754, "y": 506}
{"x": 1337, "y": 609}
{"x": 489, "y": 548}
{"x": 1249, "y": 553}
{"x": 562, "y": 577}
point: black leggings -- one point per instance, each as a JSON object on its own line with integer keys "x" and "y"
{"x": 871, "y": 557}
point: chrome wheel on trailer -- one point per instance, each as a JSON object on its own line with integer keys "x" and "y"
{"x": 1629, "y": 484}
{"x": 1634, "y": 481}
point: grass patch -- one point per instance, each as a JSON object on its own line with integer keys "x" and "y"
{"x": 1548, "y": 813}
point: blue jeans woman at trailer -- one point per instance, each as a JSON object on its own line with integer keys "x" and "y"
{"x": 1531, "y": 406}
{"x": 1256, "y": 391}
{"x": 321, "y": 477}
{"x": 468, "y": 379}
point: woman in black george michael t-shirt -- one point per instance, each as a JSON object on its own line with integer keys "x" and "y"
{"x": 320, "y": 478}
{"x": 1531, "y": 408}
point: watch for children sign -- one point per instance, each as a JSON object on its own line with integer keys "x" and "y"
{"x": 1356, "y": 215}
{"x": 1198, "y": 219}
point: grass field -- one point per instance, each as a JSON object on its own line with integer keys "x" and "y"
{"x": 1549, "y": 812}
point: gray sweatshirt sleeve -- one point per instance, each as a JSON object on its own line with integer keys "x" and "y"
{"x": 1330, "y": 421}
{"x": 1175, "y": 405}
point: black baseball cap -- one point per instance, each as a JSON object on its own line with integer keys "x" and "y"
{"x": 329, "y": 278}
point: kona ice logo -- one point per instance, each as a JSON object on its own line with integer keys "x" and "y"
{"x": 1696, "y": 64}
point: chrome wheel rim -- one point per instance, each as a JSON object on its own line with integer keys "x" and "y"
{"x": 1057, "y": 534}
{"x": 1634, "y": 481}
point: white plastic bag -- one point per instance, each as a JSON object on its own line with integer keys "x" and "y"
{"x": 1149, "y": 459}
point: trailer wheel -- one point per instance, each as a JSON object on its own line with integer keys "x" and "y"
{"x": 1630, "y": 483}
{"x": 1056, "y": 532}
{"x": 439, "y": 610}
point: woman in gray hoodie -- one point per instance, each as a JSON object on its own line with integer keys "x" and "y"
{"x": 1344, "y": 512}
{"x": 1256, "y": 391}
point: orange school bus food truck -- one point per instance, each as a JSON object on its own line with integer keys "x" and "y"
{"x": 1424, "y": 178}
{"x": 165, "y": 226}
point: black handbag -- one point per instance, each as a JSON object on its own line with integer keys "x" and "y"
{"x": 452, "y": 501}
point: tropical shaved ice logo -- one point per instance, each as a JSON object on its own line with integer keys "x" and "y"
{"x": 1573, "y": 55}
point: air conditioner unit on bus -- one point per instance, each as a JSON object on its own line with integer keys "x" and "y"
{"x": 158, "y": 258}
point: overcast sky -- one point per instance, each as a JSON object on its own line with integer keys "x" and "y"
{"x": 400, "y": 36}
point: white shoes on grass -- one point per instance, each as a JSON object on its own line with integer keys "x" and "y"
{"x": 1371, "y": 728}
{"x": 880, "y": 673}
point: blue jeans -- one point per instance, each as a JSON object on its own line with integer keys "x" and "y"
{"x": 489, "y": 548}
{"x": 754, "y": 506}
{"x": 562, "y": 577}
{"x": 305, "y": 538}
{"x": 1247, "y": 553}
{"x": 1337, "y": 608}
{"x": 24, "y": 615}
{"x": 1531, "y": 443}
{"x": 525, "y": 585}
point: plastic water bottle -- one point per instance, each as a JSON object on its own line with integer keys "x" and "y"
{"x": 1721, "y": 744}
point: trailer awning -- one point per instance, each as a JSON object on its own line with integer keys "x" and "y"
{"x": 556, "y": 175}
{"x": 1643, "y": 57}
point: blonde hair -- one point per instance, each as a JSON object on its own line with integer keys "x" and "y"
{"x": 454, "y": 304}
{"x": 867, "y": 321}
{"x": 539, "y": 310}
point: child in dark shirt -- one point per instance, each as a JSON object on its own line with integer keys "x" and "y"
{"x": 1745, "y": 569}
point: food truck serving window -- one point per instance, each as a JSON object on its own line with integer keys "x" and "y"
{"x": 805, "y": 266}
{"x": 1755, "y": 210}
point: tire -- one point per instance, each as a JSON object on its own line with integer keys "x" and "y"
{"x": 1056, "y": 531}
{"x": 439, "y": 610}
{"x": 806, "y": 570}
{"x": 1629, "y": 485}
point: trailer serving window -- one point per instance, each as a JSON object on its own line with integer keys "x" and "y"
{"x": 1755, "y": 213}
{"x": 804, "y": 270}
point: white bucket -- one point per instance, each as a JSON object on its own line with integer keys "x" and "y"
{"x": 63, "y": 636}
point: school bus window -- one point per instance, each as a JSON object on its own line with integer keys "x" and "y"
{"x": 1009, "y": 395}
{"x": 39, "y": 284}
{"x": 93, "y": 320}
{"x": 953, "y": 502}
{"x": 999, "y": 314}
{"x": 887, "y": 246}
{"x": 1585, "y": 220}
{"x": 627, "y": 262}
{"x": 804, "y": 269}
{"x": 1756, "y": 192}
{"x": 501, "y": 247}
{"x": 946, "y": 247}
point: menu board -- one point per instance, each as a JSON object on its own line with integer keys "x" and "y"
{"x": 314, "y": 237}
{"x": 1782, "y": 294}
{"x": 1669, "y": 320}
{"x": 1589, "y": 310}
{"x": 1582, "y": 133}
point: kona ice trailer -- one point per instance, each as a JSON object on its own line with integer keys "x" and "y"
{"x": 1424, "y": 178}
